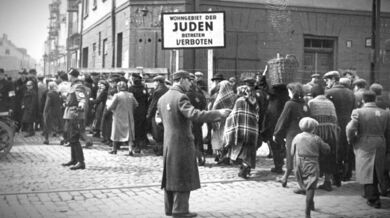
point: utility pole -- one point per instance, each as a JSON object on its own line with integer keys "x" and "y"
{"x": 375, "y": 39}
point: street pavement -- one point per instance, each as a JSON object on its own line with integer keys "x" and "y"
{"x": 34, "y": 184}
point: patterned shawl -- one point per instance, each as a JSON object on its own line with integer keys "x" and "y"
{"x": 242, "y": 123}
{"x": 225, "y": 97}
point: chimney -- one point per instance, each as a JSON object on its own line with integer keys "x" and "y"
{"x": 5, "y": 36}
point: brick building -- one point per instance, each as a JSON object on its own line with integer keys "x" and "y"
{"x": 323, "y": 35}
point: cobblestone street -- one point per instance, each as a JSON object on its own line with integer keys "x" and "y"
{"x": 33, "y": 184}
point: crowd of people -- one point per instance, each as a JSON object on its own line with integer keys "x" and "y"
{"x": 325, "y": 128}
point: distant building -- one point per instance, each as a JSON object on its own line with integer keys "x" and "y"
{"x": 322, "y": 35}
{"x": 14, "y": 59}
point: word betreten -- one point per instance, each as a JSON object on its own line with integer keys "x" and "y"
{"x": 194, "y": 41}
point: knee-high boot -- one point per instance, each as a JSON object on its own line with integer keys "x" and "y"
{"x": 114, "y": 148}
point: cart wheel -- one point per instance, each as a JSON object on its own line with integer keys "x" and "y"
{"x": 6, "y": 139}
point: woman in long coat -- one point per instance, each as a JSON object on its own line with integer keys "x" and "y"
{"x": 100, "y": 103}
{"x": 287, "y": 125}
{"x": 52, "y": 112}
{"x": 123, "y": 106}
{"x": 225, "y": 100}
{"x": 323, "y": 110}
{"x": 242, "y": 131}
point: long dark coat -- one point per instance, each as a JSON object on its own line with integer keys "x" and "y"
{"x": 52, "y": 113}
{"x": 288, "y": 125}
{"x": 141, "y": 95}
{"x": 157, "y": 130}
{"x": 180, "y": 172}
{"x": 30, "y": 104}
{"x": 344, "y": 102}
{"x": 100, "y": 104}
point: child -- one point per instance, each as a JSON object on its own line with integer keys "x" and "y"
{"x": 306, "y": 148}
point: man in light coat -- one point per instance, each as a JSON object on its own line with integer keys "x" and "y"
{"x": 180, "y": 174}
{"x": 369, "y": 132}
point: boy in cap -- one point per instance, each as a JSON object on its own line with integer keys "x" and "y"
{"x": 306, "y": 148}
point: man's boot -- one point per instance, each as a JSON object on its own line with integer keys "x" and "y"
{"x": 72, "y": 158}
{"x": 278, "y": 162}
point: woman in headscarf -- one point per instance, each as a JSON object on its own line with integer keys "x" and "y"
{"x": 100, "y": 103}
{"x": 287, "y": 126}
{"x": 323, "y": 110}
{"x": 225, "y": 100}
{"x": 242, "y": 131}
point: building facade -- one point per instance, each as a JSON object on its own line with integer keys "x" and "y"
{"x": 14, "y": 59}
{"x": 322, "y": 35}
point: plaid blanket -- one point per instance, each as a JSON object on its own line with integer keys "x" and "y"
{"x": 225, "y": 97}
{"x": 242, "y": 123}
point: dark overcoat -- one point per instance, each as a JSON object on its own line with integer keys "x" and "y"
{"x": 52, "y": 112}
{"x": 100, "y": 104}
{"x": 141, "y": 95}
{"x": 344, "y": 102}
{"x": 180, "y": 172}
{"x": 157, "y": 130}
{"x": 287, "y": 126}
{"x": 30, "y": 106}
{"x": 369, "y": 132}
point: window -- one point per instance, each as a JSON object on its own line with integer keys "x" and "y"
{"x": 318, "y": 43}
{"x": 86, "y": 7}
{"x": 94, "y": 55}
{"x": 94, "y": 4}
{"x": 119, "y": 50}
{"x": 100, "y": 43}
{"x": 7, "y": 52}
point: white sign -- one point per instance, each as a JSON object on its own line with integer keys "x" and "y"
{"x": 193, "y": 30}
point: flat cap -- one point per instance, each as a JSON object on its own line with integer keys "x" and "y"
{"x": 181, "y": 74}
{"x": 74, "y": 72}
{"x": 198, "y": 73}
{"x": 360, "y": 82}
{"x": 308, "y": 124}
{"x": 217, "y": 76}
{"x": 32, "y": 71}
{"x": 159, "y": 78}
{"x": 315, "y": 75}
{"x": 1, "y": 70}
{"x": 332, "y": 74}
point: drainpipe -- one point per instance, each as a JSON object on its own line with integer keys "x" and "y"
{"x": 113, "y": 32}
{"x": 196, "y": 8}
{"x": 375, "y": 39}
{"x": 81, "y": 34}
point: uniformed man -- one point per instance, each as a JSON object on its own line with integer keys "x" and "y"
{"x": 180, "y": 174}
{"x": 74, "y": 118}
{"x": 7, "y": 93}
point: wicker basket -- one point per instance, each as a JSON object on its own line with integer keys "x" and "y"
{"x": 282, "y": 70}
